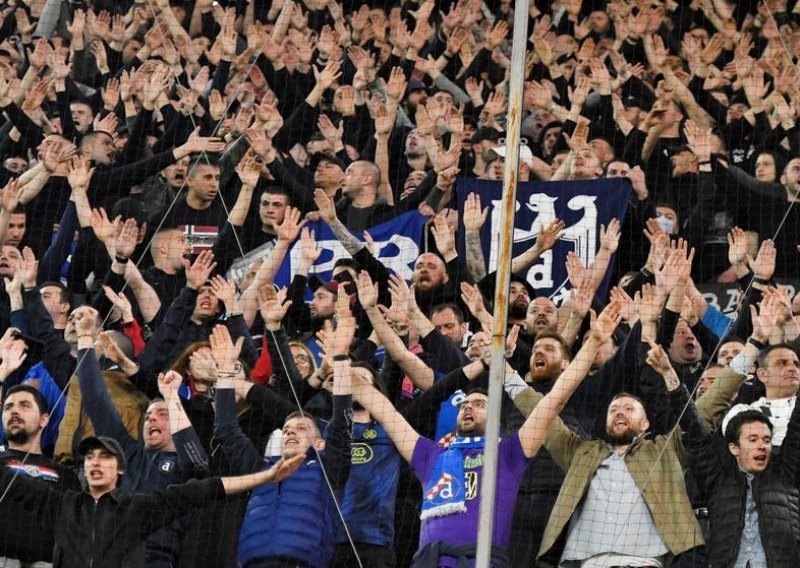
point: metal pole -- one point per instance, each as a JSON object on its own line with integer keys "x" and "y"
{"x": 497, "y": 369}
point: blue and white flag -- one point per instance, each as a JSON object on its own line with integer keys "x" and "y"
{"x": 583, "y": 206}
{"x": 397, "y": 246}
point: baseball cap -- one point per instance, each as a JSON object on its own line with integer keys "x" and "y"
{"x": 415, "y": 85}
{"x": 106, "y": 442}
{"x": 525, "y": 154}
{"x": 332, "y": 286}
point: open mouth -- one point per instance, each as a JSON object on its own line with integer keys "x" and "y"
{"x": 154, "y": 431}
{"x": 539, "y": 363}
{"x": 95, "y": 474}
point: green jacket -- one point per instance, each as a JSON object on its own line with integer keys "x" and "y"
{"x": 656, "y": 465}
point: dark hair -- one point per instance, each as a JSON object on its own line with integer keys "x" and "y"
{"x": 549, "y": 334}
{"x": 201, "y": 160}
{"x": 479, "y": 390}
{"x": 41, "y": 401}
{"x": 729, "y": 338}
{"x": 624, "y": 394}
{"x": 278, "y": 190}
{"x": 745, "y": 417}
{"x": 449, "y": 306}
{"x": 66, "y": 295}
{"x": 377, "y": 381}
{"x": 763, "y": 355}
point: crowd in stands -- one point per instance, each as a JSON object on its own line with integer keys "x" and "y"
{"x": 166, "y": 403}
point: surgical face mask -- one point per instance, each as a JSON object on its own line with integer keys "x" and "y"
{"x": 667, "y": 224}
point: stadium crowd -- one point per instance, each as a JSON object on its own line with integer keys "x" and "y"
{"x": 166, "y": 404}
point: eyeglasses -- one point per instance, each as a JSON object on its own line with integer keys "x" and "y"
{"x": 302, "y": 359}
{"x": 474, "y": 403}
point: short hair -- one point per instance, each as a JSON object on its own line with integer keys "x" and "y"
{"x": 479, "y": 390}
{"x": 370, "y": 169}
{"x": 625, "y": 394}
{"x": 735, "y": 424}
{"x": 458, "y": 312}
{"x": 38, "y": 397}
{"x": 159, "y": 237}
{"x": 278, "y": 190}
{"x": 89, "y": 137}
{"x": 550, "y": 334}
{"x": 731, "y": 338}
{"x": 763, "y": 355}
{"x": 19, "y": 210}
{"x": 197, "y": 160}
{"x": 377, "y": 381}
{"x": 65, "y": 294}
{"x": 123, "y": 342}
{"x": 305, "y": 416}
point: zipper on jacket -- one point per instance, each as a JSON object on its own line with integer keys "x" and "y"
{"x": 91, "y": 550}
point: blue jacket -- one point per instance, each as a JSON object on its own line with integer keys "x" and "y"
{"x": 295, "y": 519}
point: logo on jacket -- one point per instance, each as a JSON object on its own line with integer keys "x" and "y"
{"x": 360, "y": 454}
{"x": 167, "y": 465}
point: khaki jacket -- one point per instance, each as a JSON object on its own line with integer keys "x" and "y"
{"x": 656, "y": 466}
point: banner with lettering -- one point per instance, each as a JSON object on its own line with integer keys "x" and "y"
{"x": 583, "y": 206}
{"x": 397, "y": 246}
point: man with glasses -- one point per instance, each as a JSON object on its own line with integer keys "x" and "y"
{"x": 451, "y": 475}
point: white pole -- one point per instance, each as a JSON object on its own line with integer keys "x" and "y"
{"x": 497, "y": 369}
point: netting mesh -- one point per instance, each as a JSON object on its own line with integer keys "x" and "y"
{"x": 250, "y": 252}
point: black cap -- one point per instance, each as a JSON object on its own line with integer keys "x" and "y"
{"x": 486, "y": 133}
{"x": 129, "y": 208}
{"x": 106, "y": 442}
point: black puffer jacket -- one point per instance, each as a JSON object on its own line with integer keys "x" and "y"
{"x": 774, "y": 490}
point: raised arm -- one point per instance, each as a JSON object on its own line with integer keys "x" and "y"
{"x": 548, "y": 235}
{"x": 381, "y": 409}
{"x": 473, "y": 220}
{"x": 534, "y": 431}
{"x": 419, "y": 373}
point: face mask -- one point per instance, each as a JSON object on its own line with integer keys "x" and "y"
{"x": 666, "y": 224}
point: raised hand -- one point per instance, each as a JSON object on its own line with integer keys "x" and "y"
{"x": 121, "y": 302}
{"x": 199, "y": 271}
{"x": 345, "y": 325}
{"x": 549, "y": 234}
{"x": 764, "y": 320}
{"x": 763, "y": 265}
{"x": 326, "y": 77}
{"x": 576, "y": 271}
{"x": 444, "y": 235}
{"x": 474, "y": 216}
{"x": 125, "y": 240}
{"x": 737, "y": 247}
{"x": 367, "y": 291}
{"x": 249, "y": 170}
{"x": 225, "y": 291}
{"x": 273, "y": 306}
{"x": 629, "y": 309}
{"x": 603, "y": 326}
{"x": 103, "y": 228}
{"x": 327, "y": 210}
{"x": 196, "y": 144}
{"x": 10, "y": 196}
{"x": 309, "y": 249}
{"x": 658, "y": 359}
{"x": 291, "y": 225}
{"x": 224, "y": 350}
{"x": 609, "y": 236}
{"x": 651, "y": 302}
